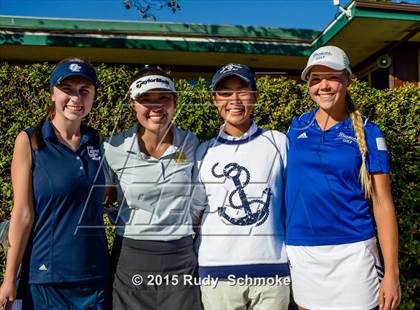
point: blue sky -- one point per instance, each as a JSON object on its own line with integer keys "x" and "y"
{"x": 310, "y": 14}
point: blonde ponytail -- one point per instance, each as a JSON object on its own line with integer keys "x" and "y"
{"x": 357, "y": 122}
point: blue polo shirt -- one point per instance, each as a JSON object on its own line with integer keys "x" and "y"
{"x": 325, "y": 203}
{"x": 67, "y": 242}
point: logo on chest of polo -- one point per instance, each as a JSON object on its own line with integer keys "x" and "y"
{"x": 93, "y": 153}
{"x": 346, "y": 138}
{"x": 180, "y": 157}
{"x": 233, "y": 172}
{"x": 303, "y": 135}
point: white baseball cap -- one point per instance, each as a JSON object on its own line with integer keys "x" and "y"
{"x": 151, "y": 82}
{"x": 329, "y": 56}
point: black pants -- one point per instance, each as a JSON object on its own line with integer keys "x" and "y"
{"x": 154, "y": 275}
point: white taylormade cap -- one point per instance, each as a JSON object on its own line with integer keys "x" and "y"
{"x": 329, "y": 56}
{"x": 150, "y": 82}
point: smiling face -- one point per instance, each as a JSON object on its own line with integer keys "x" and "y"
{"x": 327, "y": 87}
{"x": 154, "y": 110}
{"x": 73, "y": 98}
{"x": 235, "y": 101}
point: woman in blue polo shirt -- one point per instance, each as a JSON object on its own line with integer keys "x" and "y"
{"x": 338, "y": 161}
{"x": 56, "y": 229}
{"x": 151, "y": 165}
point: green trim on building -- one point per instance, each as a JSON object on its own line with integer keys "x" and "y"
{"x": 195, "y": 30}
{"x": 250, "y": 40}
{"x": 342, "y": 21}
{"x": 170, "y": 44}
{"x": 334, "y": 29}
{"x": 369, "y": 13}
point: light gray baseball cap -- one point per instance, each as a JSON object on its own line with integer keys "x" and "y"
{"x": 329, "y": 56}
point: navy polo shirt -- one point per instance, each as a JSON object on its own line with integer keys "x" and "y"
{"x": 325, "y": 203}
{"x": 67, "y": 242}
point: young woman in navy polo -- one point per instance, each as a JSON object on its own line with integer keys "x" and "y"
{"x": 337, "y": 161}
{"x": 56, "y": 229}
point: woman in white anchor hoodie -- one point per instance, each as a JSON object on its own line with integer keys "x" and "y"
{"x": 237, "y": 202}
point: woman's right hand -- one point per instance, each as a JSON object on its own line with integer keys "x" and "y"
{"x": 7, "y": 294}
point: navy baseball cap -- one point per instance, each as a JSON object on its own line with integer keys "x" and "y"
{"x": 73, "y": 68}
{"x": 239, "y": 70}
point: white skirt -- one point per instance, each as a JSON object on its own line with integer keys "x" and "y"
{"x": 345, "y": 276}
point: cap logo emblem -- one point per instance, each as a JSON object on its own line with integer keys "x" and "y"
{"x": 322, "y": 55}
{"x": 231, "y": 67}
{"x": 75, "y": 67}
{"x": 150, "y": 82}
{"x": 139, "y": 84}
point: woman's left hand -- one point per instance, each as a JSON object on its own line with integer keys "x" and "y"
{"x": 389, "y": 292}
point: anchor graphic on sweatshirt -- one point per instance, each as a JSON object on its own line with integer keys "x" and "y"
{"x": 233, "y": 172}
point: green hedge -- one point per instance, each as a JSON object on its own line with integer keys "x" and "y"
{"x": 24, "y": 98}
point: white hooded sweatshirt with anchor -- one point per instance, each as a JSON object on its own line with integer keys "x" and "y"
{"x": 237, "y": 205}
